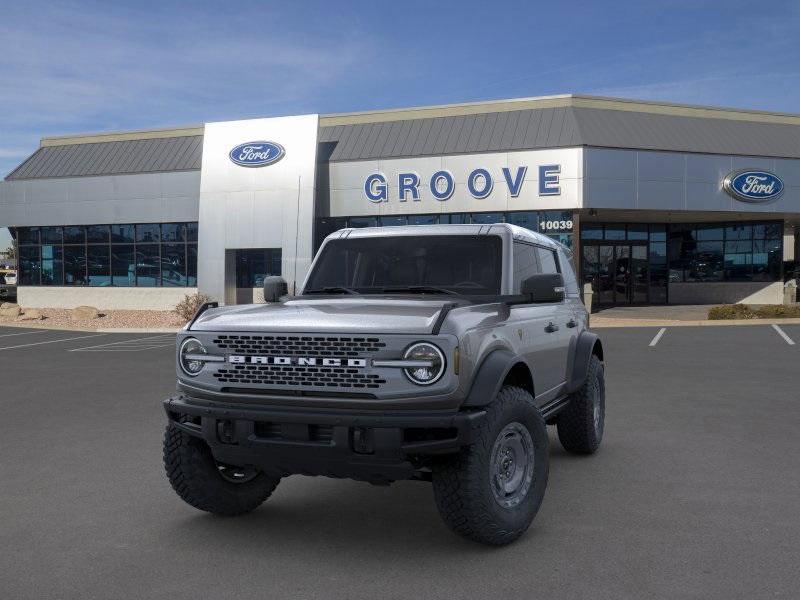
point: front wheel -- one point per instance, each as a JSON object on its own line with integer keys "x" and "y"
{"x": 209, "y": 485}
{"x": 491, "y": 491}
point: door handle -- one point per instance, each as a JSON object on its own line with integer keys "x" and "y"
{"x": 572, "y": 323}
{"x": 551, "y": 327}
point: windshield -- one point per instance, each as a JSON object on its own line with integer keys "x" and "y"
{"x": 447, "y": 264}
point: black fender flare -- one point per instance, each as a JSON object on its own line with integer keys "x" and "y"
{"x": 490, "y": 376}
{"x": 579, "y": 361}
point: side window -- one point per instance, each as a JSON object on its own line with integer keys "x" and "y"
{"x": 547, "y": 259}
{"x": 525, "y": 264}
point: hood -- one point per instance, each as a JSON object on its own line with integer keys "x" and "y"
{"x": 328, "y": 315}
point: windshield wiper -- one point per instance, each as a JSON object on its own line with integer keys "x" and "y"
{"x": 331, "y": 290}
{"x": 419, "y": 289}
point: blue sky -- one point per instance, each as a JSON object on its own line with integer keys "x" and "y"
{"x": 74, "y": 67}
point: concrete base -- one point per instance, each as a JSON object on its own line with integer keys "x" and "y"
{"x": 250, "y": 295}
{"x": 744, "y": 292}
{"x": 104, "y": 298}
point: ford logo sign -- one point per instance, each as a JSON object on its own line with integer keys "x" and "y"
{"x": 257, "y": 154}
{"x": 753, "y": 186}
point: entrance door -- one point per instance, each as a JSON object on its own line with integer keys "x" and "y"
{"x": 618, "y": 272}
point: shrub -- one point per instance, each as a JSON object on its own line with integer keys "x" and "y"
{"x": 778, "y": 311}
{"x": 731, "y": 311}
{"x": 191, "y": 303}
{"x": 746, "y": 311}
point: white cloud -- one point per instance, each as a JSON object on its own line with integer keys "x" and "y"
{"x": 72, "y": 68}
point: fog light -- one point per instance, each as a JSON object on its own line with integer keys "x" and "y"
{"x": 431, "y": 363}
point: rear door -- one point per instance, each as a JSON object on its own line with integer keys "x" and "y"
{"x": 560, "y": 326}
{"x": 541, "y": 328}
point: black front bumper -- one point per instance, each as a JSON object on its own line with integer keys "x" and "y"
{"x": 370, "y": 446}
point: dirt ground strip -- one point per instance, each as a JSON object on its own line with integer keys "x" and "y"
{"x": 55, "y": 318}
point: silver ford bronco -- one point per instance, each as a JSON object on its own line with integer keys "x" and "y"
{"x": 437, "y": 353}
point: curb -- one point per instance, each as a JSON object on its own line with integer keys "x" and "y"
{"x": 600, "y": 322}
{"x": 42, "y": 325}
{"x": 127, "y": 330}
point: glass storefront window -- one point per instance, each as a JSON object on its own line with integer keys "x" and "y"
{"x": 591, "y": 231}
{"x": 393, "y": 220}
{"x": 173, "y": 265}
{"x": 51, "y": 235}
{"x": 658, "y": 233}
{"x": 148, "y": 233}
{"x": 423, "y": 220}
{"x": 527, "y": 219}
{"x": 74, "y": 265}
{"x": 253, "y": 265}
{"x": 52, "y": 265}
{"x": 363, "y": 222}
{"x": 27, "y": 235}
{"x": 107, "y": 255}
{"x": 74, "y": 235}
{"x": 29, "y": 264}
{"x": 191, "y": 266}
{"x": 709, "y": 232}
{"x": 487, "y": 218}
{"x": 726, "y": 252}
{"x": 769, "y": 231}
{"x": 148, "y": 265}
{"x": 122, "y": 234}
{"x": 123, "y": 265}
{"x": 97, "y": 234}
{"x": 739, "y": 247}
{"x": 614, "y": 231}
{"x": 739, "y": 231}
{"x": 454, "y": 219}
{"x": 98, "y": 260}
{"x": 173, "y": 232}
{"x": 638, "y": 232}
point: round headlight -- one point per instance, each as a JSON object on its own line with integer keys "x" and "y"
{"x": 431, "y": 363}
{"x": 190, "y": 350}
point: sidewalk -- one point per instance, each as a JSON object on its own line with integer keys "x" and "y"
{"x": 672, "y": 316}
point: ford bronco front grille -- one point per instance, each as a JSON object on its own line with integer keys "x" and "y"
{"x": 295, "y": 345}
{"x": 319, "y": 377}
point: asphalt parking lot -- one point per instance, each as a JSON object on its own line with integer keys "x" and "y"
{"x": 694, "y": 493}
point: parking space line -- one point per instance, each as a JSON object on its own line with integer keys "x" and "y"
{"x": 782, "y": 333}
{"x": 82, "y": 337}
{"x": 23, "y": 333}
{"x": 657, "y": 337}
{"x": 148, "y": 341}
{"x": 137, "y": 348}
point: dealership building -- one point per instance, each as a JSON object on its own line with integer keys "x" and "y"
{"x": 660, "y": 203}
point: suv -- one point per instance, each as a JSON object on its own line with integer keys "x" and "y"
{"x": 435, "y": 353}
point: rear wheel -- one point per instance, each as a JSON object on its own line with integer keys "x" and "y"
{"x": 581, "y": 423}
{"x": 209, "y": 485}
{"x": 491, "y": 491}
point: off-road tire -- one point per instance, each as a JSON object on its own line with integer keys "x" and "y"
{"x": 577, "y": 430}
{"x": 195, "y": 476}
{"x": 462, "y": 482}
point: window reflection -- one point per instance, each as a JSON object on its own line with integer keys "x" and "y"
{"x": 108, "y": 255}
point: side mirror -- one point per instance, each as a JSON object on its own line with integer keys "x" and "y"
{"x": 274, "y": 287}
{"x": 544, "y": 287}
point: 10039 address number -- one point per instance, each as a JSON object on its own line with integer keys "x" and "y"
{"x": 565, "y": 225}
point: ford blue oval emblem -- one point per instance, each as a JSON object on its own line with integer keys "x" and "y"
{"x": 257, "y": 154}
{"x": 753, "y": 186}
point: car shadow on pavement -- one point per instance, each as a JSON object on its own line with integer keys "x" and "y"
{"x": 305, "y": 514}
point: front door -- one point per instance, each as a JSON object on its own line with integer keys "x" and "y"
{"x": 618, "y": 272}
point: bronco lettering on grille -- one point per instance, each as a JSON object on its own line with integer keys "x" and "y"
{"x": 300, "y": 361}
